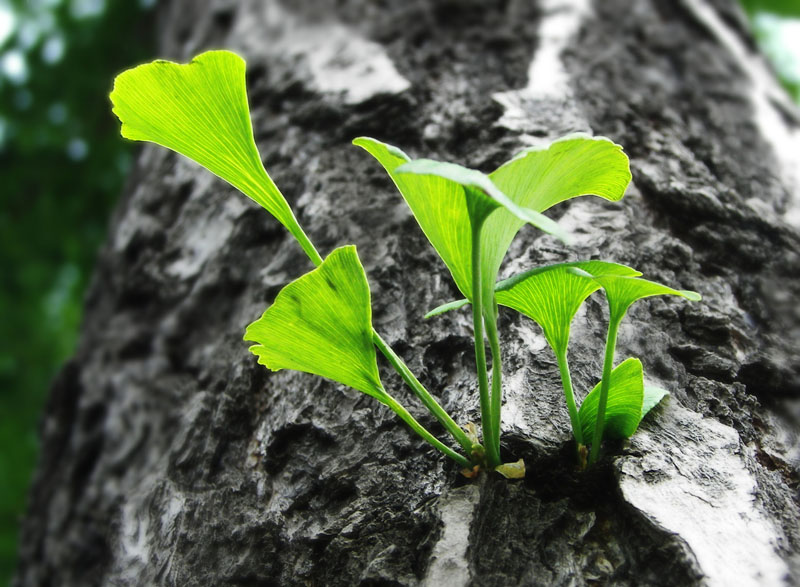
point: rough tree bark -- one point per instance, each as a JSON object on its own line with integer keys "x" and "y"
{"x": 170, "y": 457}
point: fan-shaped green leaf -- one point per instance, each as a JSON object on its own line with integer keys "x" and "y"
{"x": 540, "y": 177}
{"x": 537, "y": 291}
{"x": 533, "y": 181}
{"x": 622, "y": 292}
{"x": 624, "y": 404}
{"x": 444, "y": 218}
{"x": 321, "y": 323}
{"x": 551, "y": 295}
{"x": 488, "y": 196}
{"x": 574, "y": 165}
{"x": 652, "y": 395}
{"x": 436, "y": 194}
{"x": 200, "y": 110}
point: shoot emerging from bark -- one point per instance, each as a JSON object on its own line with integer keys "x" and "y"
{"x": 321, "y": 323}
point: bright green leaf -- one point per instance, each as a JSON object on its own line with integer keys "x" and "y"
{"x": 548, "y": 295}
{"x": 574, "y": 165}
{"x": 200, "y": 110}
{"x": 540, "y": 177}
{"x": 446, "y": 308}
{"x": 624, "y": 291}
{"x": 444, "y": 218}
{"x": 652, "y": 395}
{"x": 490, "y": 196}
{"x": 552, "y": 295}
{"x": 321, "y": 323}
{"x": 533, "y": 181}
{"x": 624, "y": 407}
{"x": 621, "y": 292}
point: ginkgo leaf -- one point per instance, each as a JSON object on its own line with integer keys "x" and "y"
{"x": 574, "y": 165}
{"x": 622, "y": 291}
{"x": 200, "y": 110}
{"x": 321, "y": 323}
{"x": 624, "y": 404}
{"x": 436, "y": 194}
{"x": 652, "y": 396}
{"x": 579, "y": 165}
{"x": 489, "y": 197}
{"x": 551, "y": 295}
{"x": 444, "y": 219}
{"x": 480, "y": 196}
{"x": 542, "y": 176}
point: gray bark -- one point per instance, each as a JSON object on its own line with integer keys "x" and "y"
{"x": 170, "y": 457}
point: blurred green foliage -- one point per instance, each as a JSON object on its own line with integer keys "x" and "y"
{"x": 776, "y": 25}
{"x": 787, "y": 8}
{"x": 62, "y": 166}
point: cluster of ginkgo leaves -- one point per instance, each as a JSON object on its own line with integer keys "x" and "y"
{"x": 321, "y": 323}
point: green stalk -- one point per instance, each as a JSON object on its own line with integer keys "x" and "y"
{"x": 402, "y": 369}
{"x": 608, "y": 365}
{"x": 423, "y": 432}
{"x": 497, "y": 373}
{"x": 492, "y": 448}
{"x": 308, "y": 247}
{"x": 566, "y": 382}
{"x": 423, "y": 394}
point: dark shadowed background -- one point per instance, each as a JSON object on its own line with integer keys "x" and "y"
{"x": 62, "y": 165}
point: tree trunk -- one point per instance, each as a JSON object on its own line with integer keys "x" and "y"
{"x": 170, "y": 457}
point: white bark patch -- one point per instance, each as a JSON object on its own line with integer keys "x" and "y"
{"x": 349, "y": 65}
{"x": 449, "y": 566}
{"x": 692, "y": 480}
{"x": 775, "y": 113}
{"x": 590, "y": 223}
{"x": 513, "y": 415}
{"x": 336, "y": 59}
{"x": 548, "y": 79}
{"x": 202, "y": 240}
{"x": 134, "y": 536}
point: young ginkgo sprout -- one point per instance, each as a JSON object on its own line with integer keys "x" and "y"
{"x": 551, "y": 296}
{"x": 468, "y": 219}
{"x": 321, "y": 323}
{"x": 621, "y": 292}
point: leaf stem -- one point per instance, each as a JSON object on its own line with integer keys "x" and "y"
{"x": 307, "y": 246}
{"x": 423, "y": 432}
{"x": 427, "y": 399}
{"x": 490, "y": 319}
{"x": 492, "y": 449}
{"x": 566, "y": 382}
{"x": 608, "y": 365}
{"x": 402, "y": 369}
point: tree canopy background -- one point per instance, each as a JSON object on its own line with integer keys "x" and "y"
{"x": 62, "y": 166}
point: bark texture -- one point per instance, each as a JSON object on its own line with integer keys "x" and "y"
{"x": 171, "y": 458}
